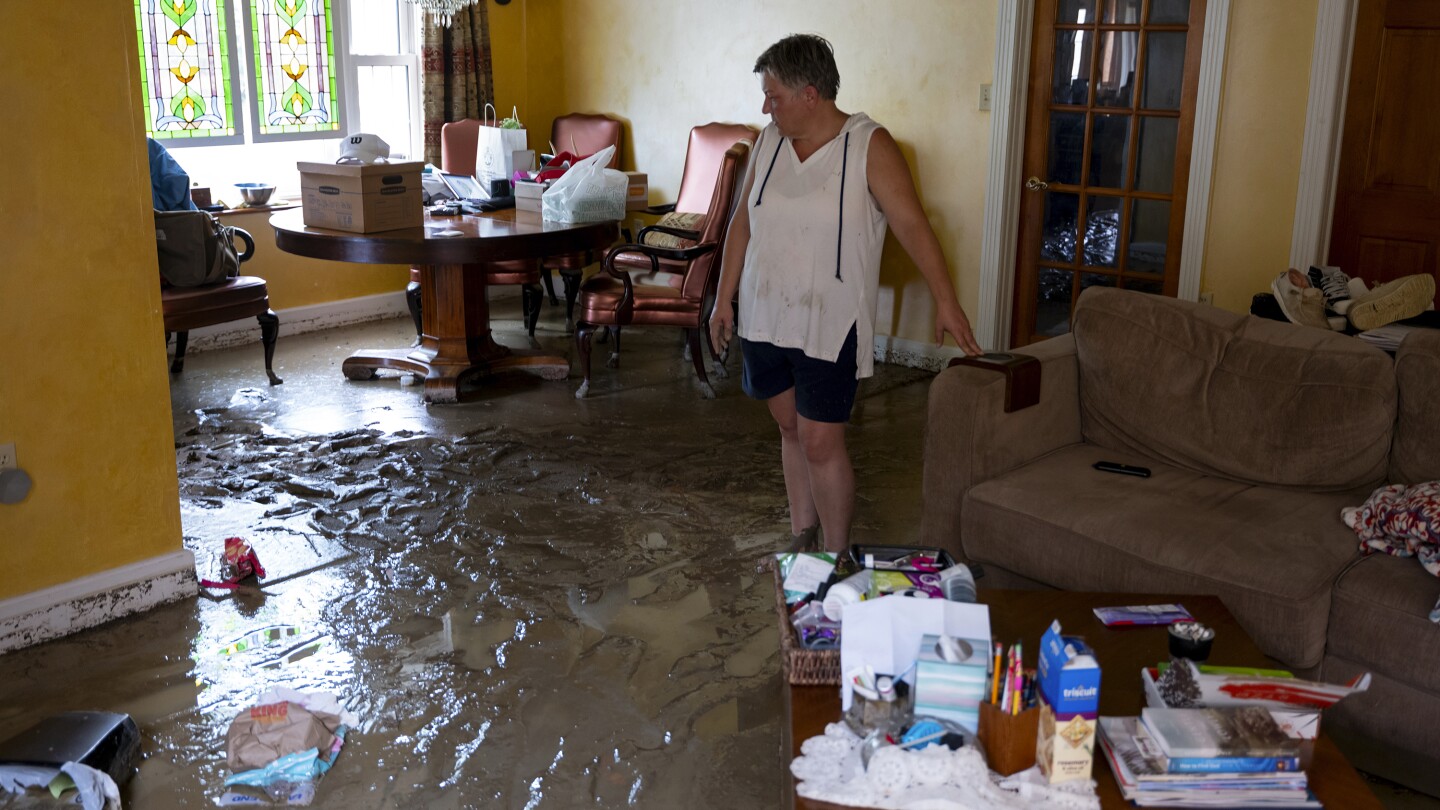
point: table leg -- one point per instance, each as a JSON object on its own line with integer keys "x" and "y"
{"x": 456, "y": 341}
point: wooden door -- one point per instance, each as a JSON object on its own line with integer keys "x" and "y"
{"x": 1387, "y": 201}
{"x": 1107, "y": 153}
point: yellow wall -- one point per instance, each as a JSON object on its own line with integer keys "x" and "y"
{"x": 1257, "y": 158}
{"x": 83, "y": 388}
{"x": 916, "y": 68}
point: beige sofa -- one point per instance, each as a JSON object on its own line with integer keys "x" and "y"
{"x": 1257, "y": 433}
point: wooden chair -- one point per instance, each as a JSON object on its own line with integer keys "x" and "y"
{"x": 458, "y": 141}
{"x": 611, "y": 299}
{"x": 187, "y": 308}
{"x": 580, "y": 134}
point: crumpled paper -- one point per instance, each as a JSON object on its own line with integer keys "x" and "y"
{"x": 97, "y": 791}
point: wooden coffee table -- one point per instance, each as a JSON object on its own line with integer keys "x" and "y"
{"x": 1024, "y": 615}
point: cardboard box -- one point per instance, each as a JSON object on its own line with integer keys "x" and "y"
{"x": 362, "y": 199}
{"x": 955, "y": 689}
{"x": 527, "y": 194}
{"x": 637, "y": 195}
{"x": 1069, "y": 691}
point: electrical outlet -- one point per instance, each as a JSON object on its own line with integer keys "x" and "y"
{"x": 7, "y": 457}
{"x": 1207, "y": 298}
{"x": 984, "y": 96}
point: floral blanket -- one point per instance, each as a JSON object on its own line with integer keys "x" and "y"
{"x": 1401, "y": 521}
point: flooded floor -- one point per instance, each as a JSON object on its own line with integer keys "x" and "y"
{"x": 528, "y": 600}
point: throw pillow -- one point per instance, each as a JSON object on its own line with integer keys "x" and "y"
{"x": 675, "y": 219}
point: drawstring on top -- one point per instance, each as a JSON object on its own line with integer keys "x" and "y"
{"x": 844, "y": 171}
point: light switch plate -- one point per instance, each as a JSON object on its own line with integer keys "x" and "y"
{"x": 984, "y": 96}
{"x": 7, "y": 456}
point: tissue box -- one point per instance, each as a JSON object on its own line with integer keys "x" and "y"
{"x": 362, "y": 198}
{"x": 637, "y": 193}
{"x": 1068, "y": 684}
{"x": 527, "y": 194}
{"x": 953, "y": 690}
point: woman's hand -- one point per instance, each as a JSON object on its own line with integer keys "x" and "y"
{"x": 722, "y": 326}
{"x": 951, "y": 318}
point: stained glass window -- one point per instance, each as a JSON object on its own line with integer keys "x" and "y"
{"x": 186, "y": 70}
{"x": 294, "y": 51}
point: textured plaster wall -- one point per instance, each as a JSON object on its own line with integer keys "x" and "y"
{"x": 83, "y": 388}
{"x": 1258, "y": 145}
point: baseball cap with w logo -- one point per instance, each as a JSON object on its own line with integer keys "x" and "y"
{"x": 364, "y": 148}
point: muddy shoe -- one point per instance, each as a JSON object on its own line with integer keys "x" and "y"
{"x": 1392, "y": 301}
{"x": 806, "y": 541}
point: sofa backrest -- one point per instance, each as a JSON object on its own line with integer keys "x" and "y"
{"x": 1415, "y": 455}
{"x": 1233, "y": 395}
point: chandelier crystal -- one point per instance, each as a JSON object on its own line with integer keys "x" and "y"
{"x": 442, "y": 12}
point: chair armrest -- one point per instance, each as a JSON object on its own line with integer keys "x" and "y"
{"x": 662, "y": 208}
{"x": 969, "y": 438}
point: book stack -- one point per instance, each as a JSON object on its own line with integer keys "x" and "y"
{"x": 1222, "y": 757}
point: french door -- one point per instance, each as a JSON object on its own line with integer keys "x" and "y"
{"x": 1109, "y": 121}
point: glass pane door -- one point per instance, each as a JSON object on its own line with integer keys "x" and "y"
{"x": 1107, "y": 153}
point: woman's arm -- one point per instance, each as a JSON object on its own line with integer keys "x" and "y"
{"x": 889, "y": 177}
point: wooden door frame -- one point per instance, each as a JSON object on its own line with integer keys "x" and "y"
{"x": 1007, "y": 141}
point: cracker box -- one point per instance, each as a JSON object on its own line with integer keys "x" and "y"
{"x": 1069, "y": 690}
{"x": 362, "y": 198}
{"x": 637, "y": 193}
{"x": 952, "y": 686}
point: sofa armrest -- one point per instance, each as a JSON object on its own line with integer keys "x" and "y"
{"x": 969, "y": 438}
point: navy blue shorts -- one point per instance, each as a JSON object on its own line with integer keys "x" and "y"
{"x": 824, "y": 391}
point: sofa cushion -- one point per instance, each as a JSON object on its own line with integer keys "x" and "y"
{"x": 1271, "y": 555}
{"x": 1415, "y": 456}
{"x": 1380, "y": 616}
{"x": 1230, "y": 395}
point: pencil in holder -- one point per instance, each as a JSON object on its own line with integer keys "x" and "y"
{"x": 1009, "y": 739}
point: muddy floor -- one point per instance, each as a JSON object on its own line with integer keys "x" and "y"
{"x": 528, "y": 600}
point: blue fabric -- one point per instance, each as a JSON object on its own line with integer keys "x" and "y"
{"x": 169, "y": 184}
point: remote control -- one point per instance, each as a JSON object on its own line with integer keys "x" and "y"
{"x": 1123, "y": 469}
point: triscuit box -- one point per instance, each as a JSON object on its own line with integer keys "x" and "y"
{"x": 362, "y": 198}
{"x": 637, "y": 193}
{"x": 1069, "y": 690}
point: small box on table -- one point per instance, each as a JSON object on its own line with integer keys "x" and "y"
{"x": 1068, "y": 684}
{"x": 527, "y": 194}
{"x": 637, "y": 193}
{"x": 952, "y": 688}
{"x": 362, "y": 198}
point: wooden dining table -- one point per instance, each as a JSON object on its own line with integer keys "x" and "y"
{"x": 455, "y": 255}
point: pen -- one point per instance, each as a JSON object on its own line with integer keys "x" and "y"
{"x": 995, "y": 679}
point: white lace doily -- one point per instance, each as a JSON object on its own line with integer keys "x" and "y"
{"x": 933, "y": 778}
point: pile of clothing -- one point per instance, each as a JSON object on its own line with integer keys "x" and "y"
{"x": 1326, "y": 298}
{"x": 1403, "y": 522}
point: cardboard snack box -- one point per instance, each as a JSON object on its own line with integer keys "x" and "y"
{"x": 637, "y": 193}
{"x": 1069, "y": 689}
{"x": 362, "y": 198}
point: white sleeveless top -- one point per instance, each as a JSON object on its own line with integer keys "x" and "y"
{"x": 812, "y": 267}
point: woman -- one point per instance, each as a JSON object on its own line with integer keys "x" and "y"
{"x": 804, "y": 253}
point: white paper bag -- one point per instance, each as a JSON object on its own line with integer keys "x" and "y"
{"x": 587, "y": 192}
{"x": 495, "y": 149}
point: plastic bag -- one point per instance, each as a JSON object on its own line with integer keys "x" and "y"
{"x": 588, "y": 192}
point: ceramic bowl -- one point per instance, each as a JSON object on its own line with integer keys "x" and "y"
{"x": 255, "y": 193}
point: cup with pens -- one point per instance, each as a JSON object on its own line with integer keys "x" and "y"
{"x": 1010, "y": 719}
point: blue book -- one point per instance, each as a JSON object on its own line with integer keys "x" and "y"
{"x": 1232, "y": 764}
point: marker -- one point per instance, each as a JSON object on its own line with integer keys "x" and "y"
{"x": 995, "y": 679}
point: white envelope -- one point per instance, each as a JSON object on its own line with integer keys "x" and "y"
{"x": 885, "y": 633}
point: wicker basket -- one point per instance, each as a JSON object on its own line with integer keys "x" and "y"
{"x": 802, "y": 667}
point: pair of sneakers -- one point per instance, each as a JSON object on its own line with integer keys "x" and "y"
{"x": 1324, "y": 297}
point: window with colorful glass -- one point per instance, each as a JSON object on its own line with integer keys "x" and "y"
{"x": 293, "y": 50}
{"x": 186, "y": 69}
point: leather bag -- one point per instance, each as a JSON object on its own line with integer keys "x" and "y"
{"x": 195, "y": 249}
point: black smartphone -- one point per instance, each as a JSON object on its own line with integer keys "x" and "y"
{"x": 1123, "y": 469}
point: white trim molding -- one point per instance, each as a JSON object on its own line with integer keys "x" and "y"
{"x": 1002, "y": 188}
{"x": 1324, "y": 125}
{"x": 92, "y": 600}
{"x": 913, "y": 353}
{"x": 1007, "y": 138}
{"x": 1202, "y": 148}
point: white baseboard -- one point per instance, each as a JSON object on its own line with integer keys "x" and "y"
{"x": 914, "y": 354}
{"x": 299, "y": 320}
{"x": 96, "y": 599}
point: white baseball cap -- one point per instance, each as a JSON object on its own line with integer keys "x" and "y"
{"x": 364, "y": 147}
